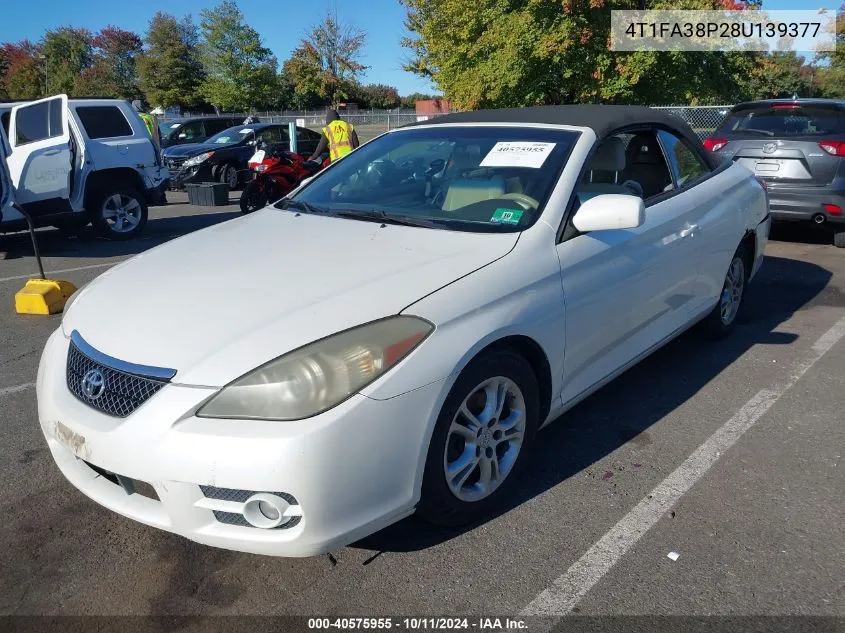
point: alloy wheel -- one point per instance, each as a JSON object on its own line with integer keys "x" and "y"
{"x": 732, "y": 291}
{"x": 484, "y": 439}
{"x": 122, "y": 213}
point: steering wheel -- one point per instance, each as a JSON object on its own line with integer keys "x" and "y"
{"x": 634, "y": 187}
{"x": 524, "y": 200}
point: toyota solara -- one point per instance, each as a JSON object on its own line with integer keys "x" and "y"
{"x": 390, "y": 337}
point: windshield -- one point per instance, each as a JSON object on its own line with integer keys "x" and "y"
{"x": 166, "y": 127}
{"x": 459, "y": 178}
{"x": 232, "y": 135}
{"x": 785, "y": 119}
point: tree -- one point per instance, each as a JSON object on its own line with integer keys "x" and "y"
{"x": 411, "y": 100}
{"x": 240, "y": 70}
{"x": 169, "y": 70}
{"x": 68, "y": 52}
{"x": 379, "y": 96}
{"x": 22, "y": 72}
{"x": 831, "y": 72}
{"x": 113, "y": 72}
{"x": 780, "y": 74}
{"x": 326, "y": 64}
{"x": 515, "y": 53}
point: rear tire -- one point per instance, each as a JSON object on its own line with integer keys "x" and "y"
{"x": 484, "y": 433}
{"x": 120, "y": 213}
{"x": 839, "y": 239}
{"x": 722, "y": 319}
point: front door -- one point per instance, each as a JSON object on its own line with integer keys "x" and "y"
{"x": 625, "y": 290}
{"x": 40, "y": 159}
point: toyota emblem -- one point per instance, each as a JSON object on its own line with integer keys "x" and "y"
{"x": 769, "y": 148}
{"x": 93, "y": 383}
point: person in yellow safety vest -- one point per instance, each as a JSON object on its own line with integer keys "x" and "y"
{"x": 149, "y": 121}
{"x": 338, "y": 136}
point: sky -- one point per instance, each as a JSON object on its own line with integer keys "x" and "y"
{"x": 281, "y": 24}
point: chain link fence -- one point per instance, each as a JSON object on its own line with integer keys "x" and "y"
{"x": 370, "y": 123}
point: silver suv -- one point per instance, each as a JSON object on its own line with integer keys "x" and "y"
{"x": 74, "y": 161}
{"x": 797, "y": 147}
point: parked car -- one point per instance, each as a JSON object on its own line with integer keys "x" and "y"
{"x": 71, "y": 162}
{"x": 224, "y": 157}
{"x": 390, "y": 337}
{"x": 797, "y": 146}
{"x": 196, "y": 130}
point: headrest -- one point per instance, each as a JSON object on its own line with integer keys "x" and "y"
{"x": 644, "y": 149}
{"x": 610, "y": 156}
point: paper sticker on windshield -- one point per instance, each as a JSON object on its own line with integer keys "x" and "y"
{"x": 518, "y": 154}
{"x": 246, "y": 130}
{"x": 506, "y": 216}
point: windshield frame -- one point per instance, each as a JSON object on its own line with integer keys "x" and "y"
{"x": 575, "y": 133}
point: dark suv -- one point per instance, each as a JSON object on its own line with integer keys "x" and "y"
{"x": 181, "y": 131}
{"x": 797, "y": 146}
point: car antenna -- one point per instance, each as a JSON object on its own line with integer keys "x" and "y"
{"x": 42, "y": 295}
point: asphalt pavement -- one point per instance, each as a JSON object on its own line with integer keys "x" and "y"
{"x": 727, "y": 454}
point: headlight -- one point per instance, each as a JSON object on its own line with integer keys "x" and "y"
{"x": 260, "y": 168}
{"x": 320, "y": 375}
{"x": 200, "y": 158}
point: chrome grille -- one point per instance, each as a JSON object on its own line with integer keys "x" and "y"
{"x": 175, "y": 164}
{"x": 123, "y": 392}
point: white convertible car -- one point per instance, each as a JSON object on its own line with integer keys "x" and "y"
{"x": 391, "y": 337}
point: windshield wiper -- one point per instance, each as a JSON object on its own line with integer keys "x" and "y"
{"x": 301, "y": 205}
{"x": 388, "y": 218}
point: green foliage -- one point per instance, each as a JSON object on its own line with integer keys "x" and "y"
{"x": 22, "y": 71}
{"x": 68, "y": 52}
{"x": 517, "y": 52}
{"x": 378, "y": 96}
{"x": 326, "y": 64}
{"x": 831, "y": 74}
{"x": 240, "y": 71}
{"x": 170, "y": 71}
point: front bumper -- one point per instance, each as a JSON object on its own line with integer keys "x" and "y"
{"x": 196, "y": 174}
{"x": 352, "y": 470}
{"x": 802, "y": 204}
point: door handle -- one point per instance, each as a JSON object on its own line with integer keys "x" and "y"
{"x": 689, "y": 231}
{"x": 52, "y": 152}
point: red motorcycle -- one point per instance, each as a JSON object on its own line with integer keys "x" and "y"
{"x": 275, "y": 174}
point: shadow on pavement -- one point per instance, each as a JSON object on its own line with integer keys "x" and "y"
{"x": 650, "y": 391}
{"x": 54, "y": 243}
{"x": 801, "y": 233}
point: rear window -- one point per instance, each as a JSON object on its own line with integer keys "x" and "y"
{"x": 103, "y": 121}
{"x": 783, "y": 120}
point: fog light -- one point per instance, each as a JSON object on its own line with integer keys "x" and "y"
{"x": 264, "y": 510}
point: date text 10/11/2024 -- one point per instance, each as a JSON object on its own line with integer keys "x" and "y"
{"x": 418, "y": 624}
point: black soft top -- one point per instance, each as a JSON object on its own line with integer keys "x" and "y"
{"x": 604, "y": 120}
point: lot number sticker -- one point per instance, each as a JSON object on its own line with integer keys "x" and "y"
{"x": 517, "y": 154}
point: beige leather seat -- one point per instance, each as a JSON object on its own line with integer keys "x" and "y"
{"x": 462, "y": 193}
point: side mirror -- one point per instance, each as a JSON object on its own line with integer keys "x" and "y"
{"x": 608, "y": 212}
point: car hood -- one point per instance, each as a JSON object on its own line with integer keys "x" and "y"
{"x": 217, "y": 303}
{"x": 189, "y": 149}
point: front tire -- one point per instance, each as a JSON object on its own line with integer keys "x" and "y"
{"x": 120, "y": 213}
{"x": 722, "y": 319}
{"x": 254, "y": 197}
{"x": 229, "y": 175}
{"x": 482, "y": 436}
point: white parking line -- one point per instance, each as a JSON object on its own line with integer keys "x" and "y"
{"x": 568, "y": 589}
{"x": 51, "y": 273}
{"x": 4, "y": 391}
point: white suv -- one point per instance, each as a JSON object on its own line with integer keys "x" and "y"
{"x": 71, "y": 162}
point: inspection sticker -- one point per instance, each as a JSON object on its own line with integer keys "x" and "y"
{"x": 517, "y": 154}
{"x": 506, "y": 216}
